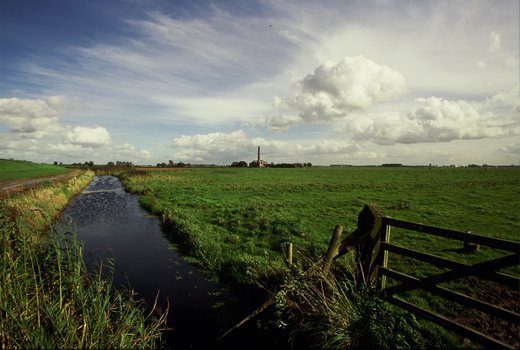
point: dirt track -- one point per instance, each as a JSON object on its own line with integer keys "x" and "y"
{"x": 20, "y": 185}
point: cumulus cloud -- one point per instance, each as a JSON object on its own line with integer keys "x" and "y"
{"x": 33, "y": 118}
{"x": 237, "y": 145}
{"x": 280, "y": 122}
{"x": 93, "y": 136}
{"x": 435, "y": 120}
{"x": 496, "y": 48}
{"x": 509, "y": 99}
{"x": 68, "y": 148}
{"x": 202, "y": 147}
{"x": 36, "y": 133}
{"x": 127, "y": 151}
{"x": 335, "y": 90}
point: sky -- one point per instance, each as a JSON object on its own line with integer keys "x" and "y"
{"x": 207, "y": 82}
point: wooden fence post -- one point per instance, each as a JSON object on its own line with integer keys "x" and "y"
{"x": 368, "y": 237}
{"x": 289, "y": 253}
{"x": 332, "y": 251}
{"x": 382, "y": 259}
{"x": 470, "y": 246}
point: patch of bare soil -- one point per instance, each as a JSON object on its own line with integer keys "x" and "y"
{"x": 498, "y": 295}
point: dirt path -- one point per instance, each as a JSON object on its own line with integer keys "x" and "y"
{"x": 20, "y": 185}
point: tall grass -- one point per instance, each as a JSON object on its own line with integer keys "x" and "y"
{"x": 47, "y": 297}
{"x": 324, "y": 312}
{"x": 36, "y": 209}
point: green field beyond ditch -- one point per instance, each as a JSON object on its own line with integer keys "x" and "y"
{"x": 233, "y": 218}
{"x": 20, "y": 169}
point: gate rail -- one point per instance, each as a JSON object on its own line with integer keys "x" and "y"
{"x": 485, "y": 270}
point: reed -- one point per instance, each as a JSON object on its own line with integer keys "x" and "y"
{"x": 48, "y": 299}
{"x": 324, "y": 312}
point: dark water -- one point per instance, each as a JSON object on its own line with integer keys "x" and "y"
{"x": 111, "y": 225}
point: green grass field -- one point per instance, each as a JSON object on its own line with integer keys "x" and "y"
{"x": 254, "y": 211}
{"x": 237, "y": 221}
{"x": 21, "y": 169}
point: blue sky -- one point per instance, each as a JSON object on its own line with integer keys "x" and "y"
{"x": 326, "y": 82}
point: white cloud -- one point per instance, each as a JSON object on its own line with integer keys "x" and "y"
{"x": 93, "y": 136}
{"x": 205, "y": 147}
{"x": 334, "y": 90}
{"x": 509, "y": 99}
{"x": 495, "y": 44}
{"x": 280, "y": 122}
{"x": 503, "y": 55}
{"x": 36, "y": 130}
{"x": 442, "y": 120}
{"x": 127, "y": 151}
{"x": 435, "y": 120}
{"x": 213, "y": 70}
{"x": 237, "y": 145}
{"x": 33, "y": 118}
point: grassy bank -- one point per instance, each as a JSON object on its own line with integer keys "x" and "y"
{"x": 19, "y": 169}
{"x": 237, "y": 221}
{"x": 47, "y": 298}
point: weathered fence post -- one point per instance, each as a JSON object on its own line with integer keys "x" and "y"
{"x": 333, "y": 249}
{"x": 470, "y": 246}
{"x": 289, "y": 254}
{"x": 382, "y": 259}
{"x": 365, "y": 240}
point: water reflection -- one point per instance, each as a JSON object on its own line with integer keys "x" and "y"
{"x": 112, "y": 225}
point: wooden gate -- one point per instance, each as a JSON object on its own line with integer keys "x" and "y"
{"x": 486, "y": 270}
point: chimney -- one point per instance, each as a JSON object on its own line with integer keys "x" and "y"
{"x": 259, "y": 156}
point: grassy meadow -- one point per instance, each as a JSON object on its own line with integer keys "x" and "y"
{"x": 237, "y": 221}
{"x": 255, "y": 211}
{"x": 20, "y": 169}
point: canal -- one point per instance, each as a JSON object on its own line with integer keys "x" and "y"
{"x": 113, "y": 227}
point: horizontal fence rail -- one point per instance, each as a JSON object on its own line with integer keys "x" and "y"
{"x": 486, "y": 270}
{"x": 502, "y": 244}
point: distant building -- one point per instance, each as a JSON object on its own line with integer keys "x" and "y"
{"x": 259, "y": 162}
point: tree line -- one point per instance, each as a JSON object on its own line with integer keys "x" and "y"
{"x": 254, "y": 164}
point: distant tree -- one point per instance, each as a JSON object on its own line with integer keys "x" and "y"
{"x": 125, "y": 164}
{"x": 55, "y": 163}
{"x": 111, "y": 164}
{"x": 171, "y": 163}
{"x": 240, "y": 164}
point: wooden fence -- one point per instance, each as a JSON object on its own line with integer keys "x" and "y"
{"x": 371, "y": 241}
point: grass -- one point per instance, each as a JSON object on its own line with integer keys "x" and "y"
{"x": 237, "y": 221}
{"x": 19, "y": 169}
{"x": 255, "y": 211}
{"x": 332, "y": 313}
{"x": 47, "y": 297}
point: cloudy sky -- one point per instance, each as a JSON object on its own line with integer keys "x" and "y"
{"x": 326, "y": 82}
